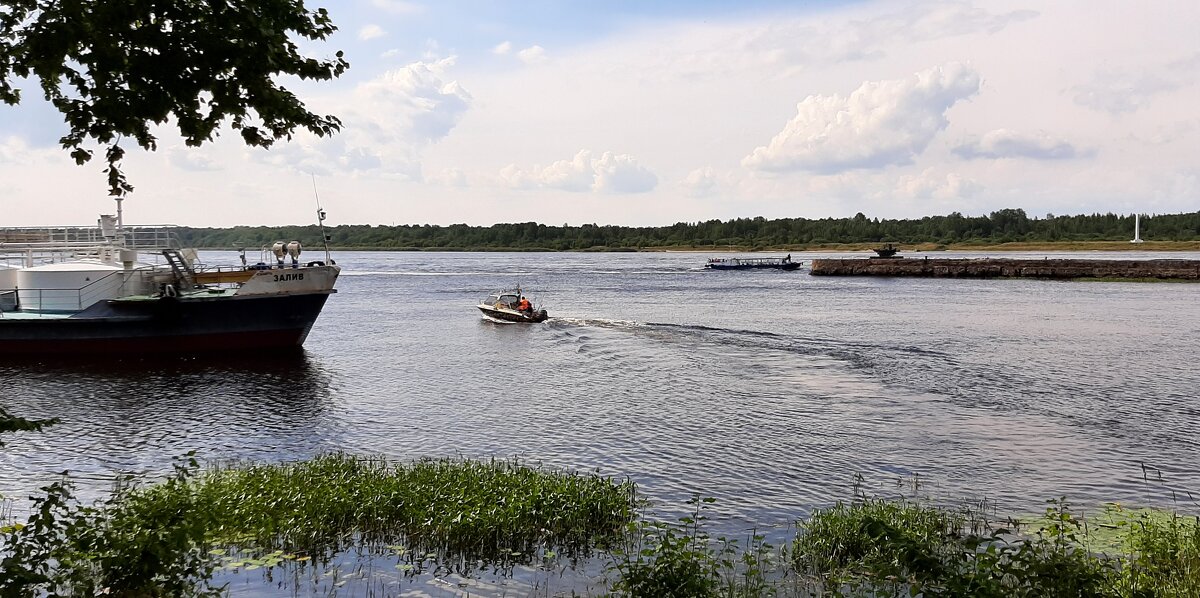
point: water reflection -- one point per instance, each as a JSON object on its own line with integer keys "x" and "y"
{"x": 132, "y": 415}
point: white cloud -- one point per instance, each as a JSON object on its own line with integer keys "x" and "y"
{"x": 931, "y": 185}
{"x": 371, "y": 32}
{"x": 880, "y": 124}
{"x": 532, "y": 55}
{"x": 448, "y": 177}
{"x": 388, "y": 122}
{"x": 399, "y": 7}
{"x": 1003, "y": 143}
{"x": 871, "y": 34}
{"x": 611, "y": 173}
{"x": 359, "y": 159}
{"x": 1124, "y": 90}
{"x": 502, "y": 48}
{"x": 190, "y": 158}
{"x": 1122, "y": 93}
{"x": 15, "y": 150}
{"x": 622, "y": 174}
{"x": 701, "y": 182}
{"x": 412, "y": 104}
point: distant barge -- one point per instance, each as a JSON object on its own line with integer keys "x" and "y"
{"x": 1061, "y": 269}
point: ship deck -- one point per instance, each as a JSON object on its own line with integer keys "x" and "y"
{"x": 33, "y": 315}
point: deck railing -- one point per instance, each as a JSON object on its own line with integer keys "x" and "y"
{"x": 146, "y": 237}
{"x": 60, "y": 300}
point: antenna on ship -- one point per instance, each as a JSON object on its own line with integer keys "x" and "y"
{"x": 321, "y": 219}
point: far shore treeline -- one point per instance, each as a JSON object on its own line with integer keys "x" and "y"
{"x": 1001, "y": 226}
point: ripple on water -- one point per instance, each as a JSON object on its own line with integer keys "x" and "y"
{"x": 770, "y": 392}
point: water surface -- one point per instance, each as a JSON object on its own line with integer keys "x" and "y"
{"x": 768, "y": 390}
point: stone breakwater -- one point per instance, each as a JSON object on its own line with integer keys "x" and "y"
{"x": 1009, "y": 268}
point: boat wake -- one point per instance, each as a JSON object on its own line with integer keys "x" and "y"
{"x": 419, "y": 273}
{"x": 597, "y": 322}
{"x": 756, "y": 344}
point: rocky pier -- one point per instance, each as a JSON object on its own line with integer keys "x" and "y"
{"x": 1061, "y": 269}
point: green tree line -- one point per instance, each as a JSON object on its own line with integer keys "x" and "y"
{"x": 1001, "y": 226}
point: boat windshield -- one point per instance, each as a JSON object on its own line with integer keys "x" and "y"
{"x": 505, "y": 299}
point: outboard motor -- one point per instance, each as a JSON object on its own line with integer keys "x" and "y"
{"x": 280, "y": 250}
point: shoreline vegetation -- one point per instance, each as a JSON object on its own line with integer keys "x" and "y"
{"x": 1051, "y": 246}
{"x": 487, "y": 519}
{"x": 1002, "y": 230}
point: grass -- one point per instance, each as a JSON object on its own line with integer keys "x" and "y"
{"x": 682, "y": 559}
{"x": 456, "y": 516}
{"x": 168, "y": 538}
{"x": 488, "y": 510}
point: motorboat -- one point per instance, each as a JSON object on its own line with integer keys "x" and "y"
{"x": 504, "y": 306}
{"x": 741, "y": 263}
{"x": 113, "y": 289}
{"x": 886, "y": 251}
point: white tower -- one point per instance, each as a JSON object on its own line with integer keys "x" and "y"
{"x": 1137, "y": 228}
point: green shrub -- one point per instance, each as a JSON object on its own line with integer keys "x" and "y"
{"x": 681, "y": 560}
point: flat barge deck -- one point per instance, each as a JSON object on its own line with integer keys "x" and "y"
{"x": 1060, "y": 269}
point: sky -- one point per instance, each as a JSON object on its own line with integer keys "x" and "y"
{"x": 651, "y": 113}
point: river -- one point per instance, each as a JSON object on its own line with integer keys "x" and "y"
{"x": 769, "y": 391}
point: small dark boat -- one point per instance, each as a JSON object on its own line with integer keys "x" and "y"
{"x": 886, "y": 251}
{"x": 505, "y": 306}
{"x": 738, "y": 263}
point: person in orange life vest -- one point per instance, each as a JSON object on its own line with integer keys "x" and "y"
{"x": 524, "y": 305}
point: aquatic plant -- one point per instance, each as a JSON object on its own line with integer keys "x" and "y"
{"x": 1161, "y": 548}
{"x": 456, "y": 516}
{"x": 876, "y": 547}
{"x": 488, "y": 510}
{"x": 125, "y": 547}
{"x": 682, "y": 559}
{"x": 167, "y": 538}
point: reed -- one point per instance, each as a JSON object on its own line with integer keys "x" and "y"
{"x": 457, "y": 516}
{"x": 493, "y": 510}
{"x": 875, "y": 547}
{"x": 681, "y": 558}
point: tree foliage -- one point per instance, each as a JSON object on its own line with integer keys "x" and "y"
{"x": 1001, "y": 226}
{"x": 116, "y": 68}
{"x": 12, "y": 423}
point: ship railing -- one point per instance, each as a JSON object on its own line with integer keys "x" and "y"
{"x": 142, "y": 237}
{"x": 65, "y": 300}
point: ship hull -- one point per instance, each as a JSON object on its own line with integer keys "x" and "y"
{"x": 509, "y": 315}
{"x": 783, "y": 266}
{"x": 169, "y": 325}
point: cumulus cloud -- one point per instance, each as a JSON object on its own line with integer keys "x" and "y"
{"x": 359, "y": 159}
{"x": 532, "y": 55}
{"x": 1118, "y": 91}
{"x": 880, "y": 124}
{"x": 610, "y": 173}
{"x": 789, "y": 45}
{"x": 448, "y": 177}
{"x": 190, "y": 159}
{"x": 388, "y": 122}
{"x": 1122, "y": 93}
{"x": 371, "y": 32}
{"x": 622, "y": 174}
{"x": 14, "y": 150}
{"x": 931, "y": 185}
{"x": 701, "y": 182}
{"x": 412, "y": 104}
{"x": 1003, "y": 143}
{"x": 502, "y": 48}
